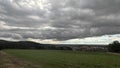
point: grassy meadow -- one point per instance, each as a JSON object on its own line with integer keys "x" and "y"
{"x": 67, "y": 59}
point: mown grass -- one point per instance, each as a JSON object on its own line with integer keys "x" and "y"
{"x": 68, "y": 59}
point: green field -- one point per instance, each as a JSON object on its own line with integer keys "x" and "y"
{"x": 67, "y": 59}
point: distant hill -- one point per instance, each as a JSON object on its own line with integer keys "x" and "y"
{"x": 24, "y": 45}
{"x": 19, "y": 45}
{"x": 33, "y": 45}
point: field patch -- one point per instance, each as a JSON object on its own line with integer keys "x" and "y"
{"x": 7, "y": 61}
{"x": 68, "y": 59}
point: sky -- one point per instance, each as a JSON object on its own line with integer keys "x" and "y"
{"x": 60, "y": 21}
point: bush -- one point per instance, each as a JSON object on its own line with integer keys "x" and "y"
{"x": 114, "y": 47}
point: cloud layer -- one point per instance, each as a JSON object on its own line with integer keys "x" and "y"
{"x": 58, "y": 19}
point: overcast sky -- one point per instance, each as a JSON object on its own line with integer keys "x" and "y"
{"x": 60, "y": 21}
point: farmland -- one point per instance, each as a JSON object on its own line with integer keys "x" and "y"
{"x": 66, "y": 59}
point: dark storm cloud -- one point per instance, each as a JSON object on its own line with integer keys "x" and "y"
{"x": 59, "y": 19}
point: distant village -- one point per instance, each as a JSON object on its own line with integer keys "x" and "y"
{"x": 83, "y": 47}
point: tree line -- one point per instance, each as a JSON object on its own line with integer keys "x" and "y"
{"x": 113, "y": 47}
{"x": 29, "y": 45}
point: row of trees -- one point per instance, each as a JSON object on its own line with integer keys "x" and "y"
{"x": 114, "y": 47}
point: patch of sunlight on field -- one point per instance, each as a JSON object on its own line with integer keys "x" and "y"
{"x": 68, "y": 59}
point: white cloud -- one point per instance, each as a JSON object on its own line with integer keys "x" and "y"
{"x": 35, "y": 17}
{"x": 47, "y": 41}
{"x": 34, "y": 4}
{"x": 105, "y": 39}
{"x": 3, "y": 25}
{"x": 9, "y": 39}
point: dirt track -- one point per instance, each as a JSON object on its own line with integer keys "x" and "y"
{"x": 7, "y": 61}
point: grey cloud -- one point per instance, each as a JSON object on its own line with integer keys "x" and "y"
{"x": 70, "y": 18}
{"x": 18, "y": 16}
{"x": 104, "y": 6}
{"x": 11, "y": 35}
{"x": 104, "y": 31}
